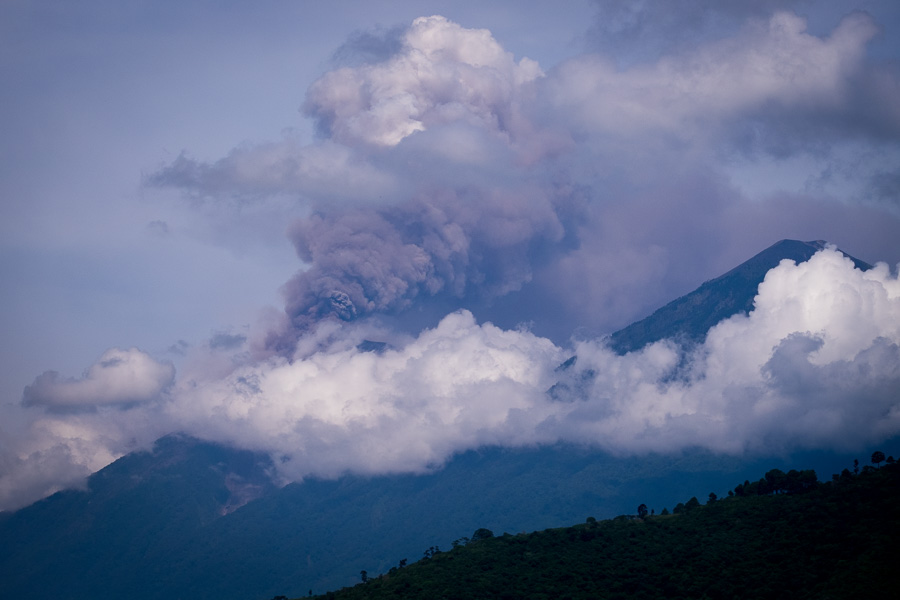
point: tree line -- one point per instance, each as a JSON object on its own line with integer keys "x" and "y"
{"x": 785, "y": 535}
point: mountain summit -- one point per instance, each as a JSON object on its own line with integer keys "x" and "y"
{"x": 688, "y": 318}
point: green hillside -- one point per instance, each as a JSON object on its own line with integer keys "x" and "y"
{"x": 784, "y": 536}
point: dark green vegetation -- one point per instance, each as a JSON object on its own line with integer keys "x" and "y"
{"x": 688, "y": 318}
{"x": 784, "y": 536}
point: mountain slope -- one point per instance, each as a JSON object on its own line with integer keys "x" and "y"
{"x": 154, "y": 525}
{"x": 158, "y": 525}
{"x": 105, "y": 541}
{"x": 688, "y": 318}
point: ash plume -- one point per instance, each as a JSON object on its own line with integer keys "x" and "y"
{"x": 465, "y": 220}
{"x": 474, "y": 246}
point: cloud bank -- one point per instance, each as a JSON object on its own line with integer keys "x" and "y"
{"x": 816, "y": 364}
{"x": 463, "y": 212}
{"x": 812, "y": 366}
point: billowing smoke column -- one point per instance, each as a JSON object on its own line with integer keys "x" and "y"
{"x": 450, "y": 172}
{"x": 451, "y": 239}
{"x": 382, "y": 260}
{"x": 442, "y": 74}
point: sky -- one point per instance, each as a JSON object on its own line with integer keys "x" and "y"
{"x": 211, "y": 210}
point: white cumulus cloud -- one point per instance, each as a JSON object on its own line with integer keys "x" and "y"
{"x": 454, "y": 387}
{"x": 814, "y": 365}
{"x": 771, "y": 66}
{"x": 443, "y": 73}
{"x": 119, "y": 377}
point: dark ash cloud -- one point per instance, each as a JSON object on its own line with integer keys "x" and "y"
{"x": 367, "y": 261}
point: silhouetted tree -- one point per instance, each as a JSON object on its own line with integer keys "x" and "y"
{"x": 776, "y": 480}
{"x": 800, "y": 481}
{"x": 642, "y": 511}
{"x": 482, "y": 534}
{"x": 691, "y": 504}
{"x": 877, "y": 458}
{"x": 364, "y": 575}
{"x": 712, "y": 497}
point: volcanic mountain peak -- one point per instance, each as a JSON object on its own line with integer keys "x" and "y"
{"x": 688, "y": 318}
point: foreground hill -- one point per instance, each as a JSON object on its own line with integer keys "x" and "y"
{"x": 831, "y": 540}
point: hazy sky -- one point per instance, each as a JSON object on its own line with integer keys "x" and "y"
{"x": 207, "y": 206}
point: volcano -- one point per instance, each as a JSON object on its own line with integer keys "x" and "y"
{"x": 195, "y": 519}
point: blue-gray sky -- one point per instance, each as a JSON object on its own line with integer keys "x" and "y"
{"x": 208, "y": 203}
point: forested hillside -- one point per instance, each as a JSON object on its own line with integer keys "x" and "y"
{"x": 784, "y": 536}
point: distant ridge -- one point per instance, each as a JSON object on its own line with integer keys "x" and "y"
{"x": 198, "y": 520}
{"x": 688, "y": 318}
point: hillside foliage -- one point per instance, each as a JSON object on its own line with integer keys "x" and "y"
{"x": 784, "y": 536}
